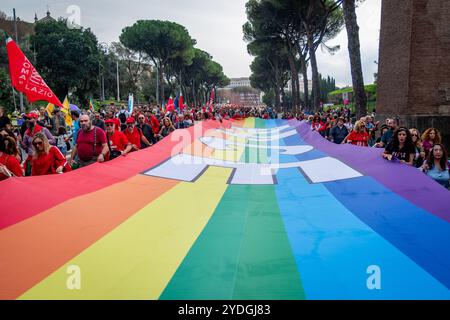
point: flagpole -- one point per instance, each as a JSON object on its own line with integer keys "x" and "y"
{"x": 99, "y": 80}
{"x": 103, "y": 87}
{"x": 193, "y": 94}
{"x": 12, "y": 87}
{"x": 157, "y": 85}
{"x": 14, "y": 96}
{"x": 17, "y": 41}
{"x": 118, "y": 85}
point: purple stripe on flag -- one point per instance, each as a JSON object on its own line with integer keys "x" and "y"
{"x": 408, "y": 182}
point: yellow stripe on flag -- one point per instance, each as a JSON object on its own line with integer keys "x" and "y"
{"x": 49, "y": 109}
{"x": 138, "y": 259}
{"x": 66, "y": 111}
{"x": 234, "y": 155}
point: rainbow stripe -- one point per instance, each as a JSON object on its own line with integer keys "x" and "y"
{"x": 269, "y": 210}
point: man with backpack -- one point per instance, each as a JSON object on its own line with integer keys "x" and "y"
{"x": 123, "y": 116}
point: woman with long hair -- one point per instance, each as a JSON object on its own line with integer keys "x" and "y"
{"x": 430, "y": 137}
{"x": 436, "y": 165}
{"x": 9, "y": 165}
{"x": 419, "y": 156}
{"x": 316, "y": 124}
{"x": 46, "y": 159}
{"x": 401, "y": 147}
{"x": 359, "y": 135}
{"x": 166, "y": 128}
{"x": 10, "y": 140}
{"x": 348, "y": 124}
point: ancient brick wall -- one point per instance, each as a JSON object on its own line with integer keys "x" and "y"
{"x": 414, "y": 66}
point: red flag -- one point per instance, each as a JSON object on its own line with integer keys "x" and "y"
{"x": 170, "y": 105}
{"x": 25, "y": 78}
{"x": 180, "y": 102}
{"x": 170, "y": 108}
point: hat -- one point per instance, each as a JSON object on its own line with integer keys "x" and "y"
{"x": 131, "y": 120}
{"x": 32, "y": 115}
{"x": 109, "y": 121}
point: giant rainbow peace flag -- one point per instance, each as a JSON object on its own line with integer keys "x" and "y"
{"x": 239, "y": 210}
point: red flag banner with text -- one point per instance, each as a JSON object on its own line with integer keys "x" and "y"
{"x": 25, "y": 78}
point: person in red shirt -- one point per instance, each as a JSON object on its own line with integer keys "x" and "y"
{"x": 91, "y": 145}
{"x": 359, "y": 135}
{"x": 9, "y": 165}
{"x": 117, "y": 141}
{"x": 110, "y": 116}
{"x": 135, "y": 135}
{"x": 154, "y": 122}
{"x": 46, "y": 159}
{"x": 316, "y": 123}
{"x": 33, "y": 128}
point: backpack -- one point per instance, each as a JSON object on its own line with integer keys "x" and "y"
{"x": 122, "y": 117}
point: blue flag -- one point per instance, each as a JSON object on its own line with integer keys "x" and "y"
{"x": 130, "y": 104}
{"x": 175, "y": 103}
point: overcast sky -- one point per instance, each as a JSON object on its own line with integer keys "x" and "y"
{"x": 215, "y": 24}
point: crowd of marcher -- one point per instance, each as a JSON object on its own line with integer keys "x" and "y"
{"x": 424, "y": 151}
{"x": 42, "y": 143}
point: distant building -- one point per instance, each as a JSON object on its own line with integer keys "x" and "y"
{"x": 240, "y": 95}
{"x": 47, "y": 18}
{"x": 239, "y": 91}
{"x": 302, "y": 87}
{"x": 239, "y": 82}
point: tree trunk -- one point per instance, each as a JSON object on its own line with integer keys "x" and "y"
{"x": 351, "y": 24}
{"x": 278, "y": 85}
{"x": 161, "y": 84}
{"x": 283, "y": 98}
{"x": 294, "y": 79}
{"x": 315, "y": 74}
{"x": 277, "y": 95}
{"x": 299, "y": 98}
{"x": 304, "y": 70}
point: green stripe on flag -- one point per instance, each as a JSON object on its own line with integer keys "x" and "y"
{"x": 267, "y": 268}
{"x": 257, "y": 154}
{"x": 243, "y": 252}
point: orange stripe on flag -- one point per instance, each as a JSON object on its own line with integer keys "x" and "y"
{"x": 33, "y": 249}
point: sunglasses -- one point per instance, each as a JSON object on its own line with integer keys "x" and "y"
{"x": 39, "y": 143}
{"x": 110, "y": 124}
{"x": 414, "y": 135}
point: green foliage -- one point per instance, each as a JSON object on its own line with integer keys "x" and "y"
{"x": 6, "y": 94}
{"x": 371, "y": 106}
{"x": 171, "y": 49}
{"x": 68, "y": 59}
{"x": 72, "y": 61}
{"x": 162, "y": 41}
{"x": 326, "y": 86}
{"x": 269, "y": 98}
{"x": 295, "y": 29}
{"x": 371, "y": 89}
